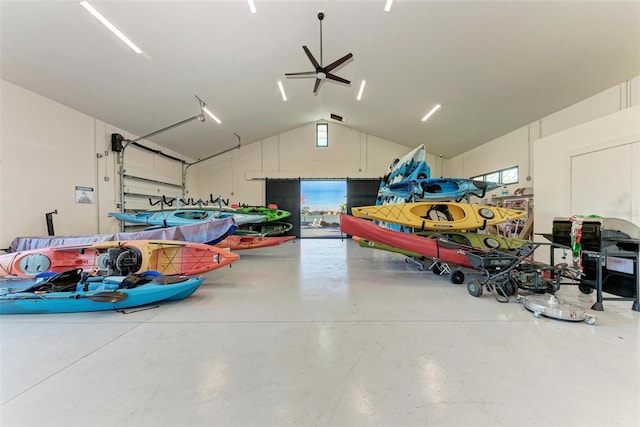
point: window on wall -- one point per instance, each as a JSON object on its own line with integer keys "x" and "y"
{"x": 504, "y": 176}
{"x": 322, "y": 134}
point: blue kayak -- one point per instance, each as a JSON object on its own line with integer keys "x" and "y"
{"x": 96, "y": 293}
{"x": 439, "y": 188}
{"x": 17, "y": 284}
{"x": 412, "y": 166}
{"x": 184, "y": 216}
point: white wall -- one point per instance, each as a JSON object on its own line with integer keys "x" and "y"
{"x": 512, "y": 149}
{"x": 517, "y": 147}
{"x": 46, "y": 150}
{"x": 239, "y": 175}
{"x": 553, "y": 157}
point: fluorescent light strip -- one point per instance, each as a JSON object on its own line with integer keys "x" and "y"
{"x": 284, "y": 95}
{"x": 359, "y": 97}
{"x": 252, "y": 6}
{"x": 387, "y": 7}
{"x": 206, "y": 110}
{"x": 110, "y": 26}
{"x": 433, "y": 110}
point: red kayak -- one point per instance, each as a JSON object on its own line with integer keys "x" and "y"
{"x": 240, "y": 242}
{"x": 424, "y": 246}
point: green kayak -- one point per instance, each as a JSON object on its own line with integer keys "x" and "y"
{"x": 271, "y": 213}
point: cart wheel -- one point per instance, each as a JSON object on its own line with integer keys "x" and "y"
{"x": 591, "y": 320}
{"x": 502, "y": 289}
{"x": 510, "y": 287}
{"x": 585, "y": 289}
{"x": 537, "y": 313}
{"x": 515, "y": 284}
{"x": 457, "y": 277}
{"x": 474, "y": 287}
{"x": 437, "y": 269}
{"x": 420, "y": 267}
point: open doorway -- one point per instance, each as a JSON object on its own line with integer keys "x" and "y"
{"x": 321, "y": 203}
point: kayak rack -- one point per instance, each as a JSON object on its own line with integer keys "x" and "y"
{"x": 133, "y": 187}
{"x": 180, "y": 202}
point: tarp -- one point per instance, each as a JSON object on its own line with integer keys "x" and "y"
{"x": 209, "y": 232}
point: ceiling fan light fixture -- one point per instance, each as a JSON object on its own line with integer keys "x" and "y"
{"x": 252, "y": 6}
{"x": 361, "y": 90}
{"x": 387, "y": 6}
{"x": 430, "y": 113}
{"x": 281, "y": 87}
{"x": 110, "y": 26}
{"x": 320, "y": 71}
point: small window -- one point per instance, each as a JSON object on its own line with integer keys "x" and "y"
{"x": 322, "y": 135}
{"x": 510, "y": 176}
{"x": 492, "y": 177}
{"x": 504, "y": 176}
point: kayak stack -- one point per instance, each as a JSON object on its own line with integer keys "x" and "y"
{"x": 105, "y": 275}
{"x": 166, "y": 261}
{"x": 430, "y": 218}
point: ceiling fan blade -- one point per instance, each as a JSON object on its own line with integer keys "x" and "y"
{"x": 340, "y": 61}
{"x": 304, "y": 73}
{"x": 311, "y": 58}
{"x": 338, "y": 79}
{"x": 316, "y": 86}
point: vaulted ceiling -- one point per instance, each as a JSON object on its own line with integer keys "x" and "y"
{"x": 493, "y": 65}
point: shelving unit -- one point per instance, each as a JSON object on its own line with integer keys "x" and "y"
{"x": 522, "y": 228}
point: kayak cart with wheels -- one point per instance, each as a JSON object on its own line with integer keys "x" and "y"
{"x": 506, "y": 273}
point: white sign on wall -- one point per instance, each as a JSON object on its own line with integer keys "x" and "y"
{"x": 84, "y": 195}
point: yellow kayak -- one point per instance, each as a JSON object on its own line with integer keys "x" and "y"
{"x": 439, "y": 215}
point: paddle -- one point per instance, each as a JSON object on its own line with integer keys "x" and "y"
{"x": 106, "y": 296}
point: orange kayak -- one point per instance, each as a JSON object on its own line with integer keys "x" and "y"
{"x": 169, "y": 257}
{"x": 240, "y": 242}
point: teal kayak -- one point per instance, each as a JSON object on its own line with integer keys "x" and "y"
{"x": 182, "y": 216}
{"x": 74, "y": 294}
{"x": 439, "y": 188}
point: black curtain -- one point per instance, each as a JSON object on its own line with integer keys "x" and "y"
{"x": 286, "y": 194}
{"x": 361, "y": 192}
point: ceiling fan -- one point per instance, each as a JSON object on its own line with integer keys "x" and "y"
{"x": 322, "y": 72}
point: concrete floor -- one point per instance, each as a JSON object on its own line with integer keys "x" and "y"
{"x": 317, "y": 333}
